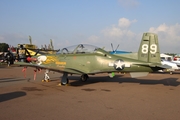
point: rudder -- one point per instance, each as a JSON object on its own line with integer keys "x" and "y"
{"x": 149, "y": 48}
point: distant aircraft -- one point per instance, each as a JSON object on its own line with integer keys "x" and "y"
{"x": 170, "y": 63}
{"x": 177, "y": 61}
{"x": 168, "y": 60}
{"x": 87, "y": 60}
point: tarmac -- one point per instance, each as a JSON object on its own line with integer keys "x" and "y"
{"x": 154, "y": 97}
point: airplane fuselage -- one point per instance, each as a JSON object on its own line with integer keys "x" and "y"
{"x": 94, "y": 63}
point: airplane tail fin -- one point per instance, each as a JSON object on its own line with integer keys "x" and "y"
{"x": 149, "y": 48}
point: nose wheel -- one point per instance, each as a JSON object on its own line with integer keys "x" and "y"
{"x": 64, "y": 80}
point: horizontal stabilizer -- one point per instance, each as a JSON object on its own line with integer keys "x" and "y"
{"x": 156, "y": 65}
{"x": 138, "y": 74}
{"x": 165, "y": 66}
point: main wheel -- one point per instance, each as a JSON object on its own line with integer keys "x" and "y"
{"x": 84, "y": 77}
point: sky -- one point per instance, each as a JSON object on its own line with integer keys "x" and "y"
{"x": 96, "y": 22}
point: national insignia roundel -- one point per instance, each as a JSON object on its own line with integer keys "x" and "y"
{"x": 119, "y": 64}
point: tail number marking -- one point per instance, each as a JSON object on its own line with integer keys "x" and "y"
{"x": 145, "y": 48}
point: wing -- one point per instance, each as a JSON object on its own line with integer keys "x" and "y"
{"x": 56, "y": 69}
{"x": 154, "y": 65}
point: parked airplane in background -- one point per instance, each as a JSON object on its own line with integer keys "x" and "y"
{"x": 177, "y": 61}
{"x": 87, "y": 60}
{"x": 172, "y": 64}
{"x": 168, "y": 60}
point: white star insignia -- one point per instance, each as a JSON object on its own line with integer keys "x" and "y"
{"x": 119, "y": 64}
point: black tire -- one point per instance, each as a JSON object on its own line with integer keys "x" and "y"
{"x": 65, "y": 83}
{"x": 84, "y": 77}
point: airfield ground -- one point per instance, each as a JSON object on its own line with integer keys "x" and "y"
{"x": 155, "y": 97}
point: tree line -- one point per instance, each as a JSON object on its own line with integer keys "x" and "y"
{"x": 4, "y": 47}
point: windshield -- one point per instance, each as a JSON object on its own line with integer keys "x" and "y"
{"x": 79, "y": 49}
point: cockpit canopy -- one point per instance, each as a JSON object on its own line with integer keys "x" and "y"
{"x": 79, "y": 49}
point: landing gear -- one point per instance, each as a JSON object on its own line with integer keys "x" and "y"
{"x": 171, "y": 72}
{"x": 46, "y": 76}
{"x": 64, "y": 79}
{"x": 45, "y": 80}
{"x": 84, "y": 77}
{"x": 65, "y": 82}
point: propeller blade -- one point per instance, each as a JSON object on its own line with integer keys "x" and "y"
{"x": 112, "y": 47}
{"x": 117, "y": 47}
{"x": 37, "y": 52}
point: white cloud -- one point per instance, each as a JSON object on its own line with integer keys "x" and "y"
{"x": 161, "y": 28}
{"x": 169, "y": 37}
{"x": 125, "y": 23}
{"x": 173, "y": 30}
{"x": 122, "y": 35}
{"x": 119, "y": 30}
{"x": 113, "y": 32}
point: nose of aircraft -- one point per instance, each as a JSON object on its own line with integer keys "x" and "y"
{"x": 30, "y": 59}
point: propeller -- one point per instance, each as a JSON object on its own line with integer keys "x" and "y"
{"x": 37, "y": 52}
{"x": 30, "y": 59}
{"x": 113, "y": 48}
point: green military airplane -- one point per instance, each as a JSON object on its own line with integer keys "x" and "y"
{"x": 87, "y": 60}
